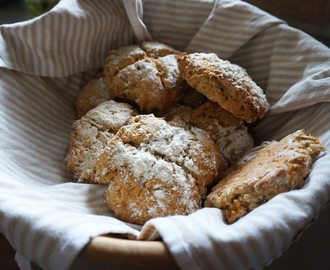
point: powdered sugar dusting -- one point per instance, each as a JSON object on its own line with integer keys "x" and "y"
{"x": 231, "y": 72}
{"x": 143, "y": 165}
{"x": 94, "y": 93}
{"x": 150, "y": 79}
{"x": 91, "y": 134}
{"x": 140, "y": 82}
{"x": 168, "y": 67}
{"x": 162, "y": 159}
{"x": 121, "y": 58}
{"x": 102, "y": 93}
{"x": 225, "y": 83}
{"x": 231, "y": 136}
{"x": 160, "y": 154}
{"x": 156, "y": 49}
{"x": 232, "y": 142}
{"x": 111, "y": 115}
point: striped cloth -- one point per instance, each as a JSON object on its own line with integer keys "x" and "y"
{"x": 44, "y": 62}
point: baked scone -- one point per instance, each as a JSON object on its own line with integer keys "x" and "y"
{"x": 122, "y": 58}
{"x": 172, "y": 111}
{"x": 94, "y": 93}
{"x": 224, "y": 83}
{"x": 135, "y": 75}
{"x": 263, "y": 173}
{"x": 91, "y": 134}
{"x": 154, "y": 169}
{"x": 228, "y": 132}
{"x": 155, "y": 49}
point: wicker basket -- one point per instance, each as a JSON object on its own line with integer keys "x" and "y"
{"x": 112, "y": 249}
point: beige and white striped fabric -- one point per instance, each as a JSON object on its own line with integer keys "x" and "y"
{"x": 45, "y": 62}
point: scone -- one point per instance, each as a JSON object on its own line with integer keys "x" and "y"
{"x": 172, "y": 111}
{"x": 94, "y": 93}
{"x": 228, "y": 132}
{"x": 122, "y": 58}
{"x": 154, "y": 169}
{"x": 91, "y": 134}
{"x": 149, "y": 78}
{"x": 155, "y": 49}
{"x": 224, "y": 83}
{"x": 263, "y": 173}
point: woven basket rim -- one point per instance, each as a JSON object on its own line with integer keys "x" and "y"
{"x": 113, "y": 249}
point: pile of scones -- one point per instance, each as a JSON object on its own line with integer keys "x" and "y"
{"x": 166, "y": 131}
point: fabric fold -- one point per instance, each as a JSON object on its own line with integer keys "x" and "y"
{"x": 73, "y": 37}
{"x": 134, "y": 11}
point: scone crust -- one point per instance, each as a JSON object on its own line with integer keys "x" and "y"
{"x": 154, "y": 169}
{"x": 172, "y": 82}
{"x": 94, "y": 93}
{"x": 172, "y": 111}
{"x": 210, "y": 111}
{"x": 273, "y": 169}
{"x": 224, "y": 83}
{"x": 150, "y": 79}
{"x": 139, "y": 82}
{"x": 155, "y": 49}
{"x": 121, "y": 58}
{"x": 91, "y": 133}
{"x": 228, "y": 132}
{"x": 136, "y": 202}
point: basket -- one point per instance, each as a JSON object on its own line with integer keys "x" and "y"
{"x": 44, "y": 63}
{"x": 119, "y": 251}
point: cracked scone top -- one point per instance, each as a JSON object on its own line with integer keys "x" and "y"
{"x": 91, "y": 134}
{"x": 225, "y": 83}
{"x": 154, "y": 169}
{"x": 150, "y": 78}
{"x": 264, "y": 172}
{"x": 156, "y": 49}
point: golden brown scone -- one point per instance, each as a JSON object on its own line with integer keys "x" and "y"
{"x": 269, "y": 170}
{"x": 228, "y": 132}
{"x": 169, "y": 74}
{"x": 156, "y": 49}
{"x": 94, "y": 93}
{"x": 154, "y": 169}
{"x": 91, "y": 134}
{"x": 121, "y": 58}
{"x": 210, "y": 111}
{"x": 151, "y": 83}
{"x": 224, "y": 83}
{"x": 172, "y": 111}
{"x": 140, "y": 83}
{"x": 193, "y": 98}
